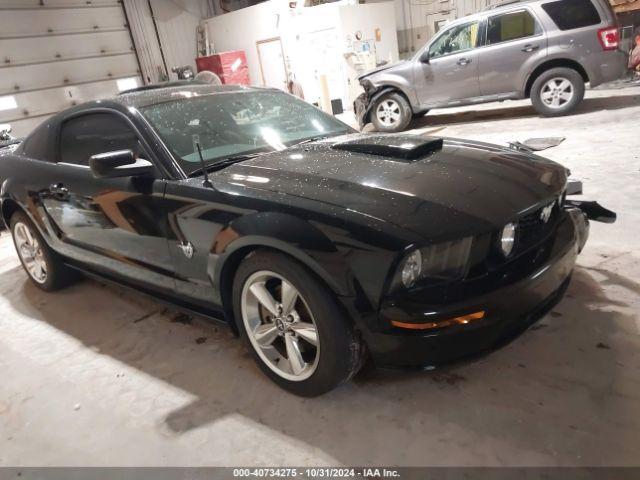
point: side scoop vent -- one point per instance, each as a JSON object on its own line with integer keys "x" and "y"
{"x": 405, "y": 148}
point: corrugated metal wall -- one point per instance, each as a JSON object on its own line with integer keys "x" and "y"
{"x": 418, "y": 19}
{"x": 164, "y": 32}
{"x": 56, "y": 53}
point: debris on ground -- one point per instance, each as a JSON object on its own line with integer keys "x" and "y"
{"x": 603, "y": 346}
{"x": 144, "y": 317}
{"x": 201, "y": 340}
{"x": 536, "y": 144}
{"x": 76, "y": 406}
{"x": 538, "y": 326}
{"x": 182, "y": 318}
{"x": 448, "y": 378}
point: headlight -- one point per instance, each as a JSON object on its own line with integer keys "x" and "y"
{"x": 441, "y": 262}
{"x": 412, "y": 268}
{"x": 508, "y": 238}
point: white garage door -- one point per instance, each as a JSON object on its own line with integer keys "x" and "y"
{"x": 57, "y": 53}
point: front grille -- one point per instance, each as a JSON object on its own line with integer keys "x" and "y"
{"x": 532, "y": 228}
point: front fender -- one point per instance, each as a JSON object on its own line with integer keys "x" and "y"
{"x": 286, "y": 233}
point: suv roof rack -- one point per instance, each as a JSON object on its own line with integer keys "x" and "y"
{"x": 501, "y": 4}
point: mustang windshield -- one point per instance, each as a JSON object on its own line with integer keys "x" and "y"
{"x": 237, "y": 123}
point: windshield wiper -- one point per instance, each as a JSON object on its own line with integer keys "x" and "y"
{"x": 225, "y": 162}
{"x": 313, "y": 139}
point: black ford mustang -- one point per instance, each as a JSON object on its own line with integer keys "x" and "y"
{"x": 320, "y": 246}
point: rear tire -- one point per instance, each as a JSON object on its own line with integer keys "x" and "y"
{"x": 391, "y": 113}
{"x": 306, "y": 345}
{"x": 557, "y": 92}
{"x": 44, "y": 267}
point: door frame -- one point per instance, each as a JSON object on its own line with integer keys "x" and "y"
{"x": 284, "y": 64}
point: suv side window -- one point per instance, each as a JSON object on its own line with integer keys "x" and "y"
{"x": 511, "y": 26}
{"x": 570, "y": 14}
{"x": 455, "y": 39}
{"x": 94, "y": 133}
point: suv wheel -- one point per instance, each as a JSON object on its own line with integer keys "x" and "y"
{"x": 391, "y": 113}
{"x": 293, "y": 326}
{"x": 557, "y": 92}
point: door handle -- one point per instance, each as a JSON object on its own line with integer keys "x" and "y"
{"x": 464, "y": 61}
{"x": 530, "y": 48}
{"x": 59, "y": 190}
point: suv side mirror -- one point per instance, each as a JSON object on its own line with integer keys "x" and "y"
{"x": 121, "y": 163}
{"x": 424, "y": 56}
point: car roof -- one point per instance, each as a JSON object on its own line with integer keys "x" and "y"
{"x": 153, "y": 94}
{"x": 493, "y": 9}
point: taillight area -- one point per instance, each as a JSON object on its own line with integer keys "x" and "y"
{"x": 609, "y": 38}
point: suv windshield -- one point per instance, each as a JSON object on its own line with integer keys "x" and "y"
{"x": 237, "y": 123}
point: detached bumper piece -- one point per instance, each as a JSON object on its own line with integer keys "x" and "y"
{"x": 361, "y": 108}
{"x": 594, "y": 211}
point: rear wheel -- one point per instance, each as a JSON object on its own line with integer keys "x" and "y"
{"x": 391, "y": 113}
{"x": 293, "y": 326}
{"x": 557, "y": 92}
{"x": 44, "y": 267}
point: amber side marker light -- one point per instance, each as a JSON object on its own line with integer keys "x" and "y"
{"x": 464, "y": 319}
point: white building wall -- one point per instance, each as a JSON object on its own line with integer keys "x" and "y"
{"x": 314, "y": 39}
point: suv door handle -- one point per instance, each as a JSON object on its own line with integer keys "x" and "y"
{"x": 59, "y": 190}
{"x": 464, "y": 61}
{"x": 530, "y": 47}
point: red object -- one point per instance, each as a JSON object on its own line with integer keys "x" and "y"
{"x": 231, "y": 67}
{"x": 609, "y": 38}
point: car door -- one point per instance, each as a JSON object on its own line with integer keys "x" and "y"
{"x": 450, "y": 73}
{"x": 115, "y": 225}
{"x": 514, "y": 43}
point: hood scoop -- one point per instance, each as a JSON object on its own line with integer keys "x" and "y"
{"x": 406, "y": 148}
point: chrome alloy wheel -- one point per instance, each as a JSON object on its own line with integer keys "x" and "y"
{"x": 280, "y": 325}
{"x": 388, "y": 113}
{"x": 30, "y": 252}
{"x": 557, "y": 92}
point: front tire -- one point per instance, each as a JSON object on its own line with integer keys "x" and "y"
{"x": 293, "y": 325}
{"x": 557, "y": 92}
{"x": 45, "y": 268}
{"x": 391, "y": 113}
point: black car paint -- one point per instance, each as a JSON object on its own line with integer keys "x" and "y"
{"x": 349, "y": 217}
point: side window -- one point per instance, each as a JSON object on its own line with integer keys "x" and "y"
{"x": 511, "y": 26}
{"x": 456, "y": 39}
{"x": 94, "y": 133}
{"x": 38, "y": 144}
{"x": 570, "y": 14}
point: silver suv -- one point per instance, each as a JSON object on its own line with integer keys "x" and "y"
{"x": 542, "y": 49}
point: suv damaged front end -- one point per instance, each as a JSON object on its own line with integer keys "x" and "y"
{"x": 376, "y": 83}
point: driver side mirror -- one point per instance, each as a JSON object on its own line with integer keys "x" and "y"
{"x": 121, "y": 163}
{"x": 424, "y": 56}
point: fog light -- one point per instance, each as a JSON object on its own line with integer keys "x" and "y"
{"x": 508, "y": 238}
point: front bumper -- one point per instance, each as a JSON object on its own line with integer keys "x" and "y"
{"x": 509, "y": 310}
{"x": 361, "y": 108}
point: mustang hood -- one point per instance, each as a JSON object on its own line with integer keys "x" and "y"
{"x": 433, "y": 187}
